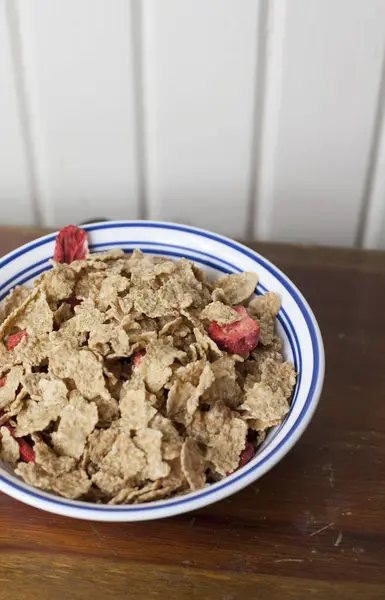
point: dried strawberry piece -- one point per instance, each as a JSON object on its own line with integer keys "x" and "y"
{"x": 246, "y": 455}
{"x": 15, "y": 338}
{"x": 137, "y": 358}
{"x": 3, "y": 381}
{"x": 71, "y": 244}
{"x": 239, "y": 337}
{"x": 26, "y": 452}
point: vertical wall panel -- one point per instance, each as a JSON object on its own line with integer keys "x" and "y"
{"x": 15, "y": 194}
{"x": 78, "y": 59}
{"x": 373, "y": 230}
{"x": 322, "y": 81}
{"x": 199, "y": 79}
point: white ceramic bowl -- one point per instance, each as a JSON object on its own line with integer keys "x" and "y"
{"x": 215, "y": 255}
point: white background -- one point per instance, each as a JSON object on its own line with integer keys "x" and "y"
{"x": 255, "y": 118}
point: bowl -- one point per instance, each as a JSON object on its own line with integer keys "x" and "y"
{"x": 216, "y": 255}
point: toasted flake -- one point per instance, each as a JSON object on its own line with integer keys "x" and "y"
{"x": 135, "y": 406}
{"x": 110, "y": 339}
{"x": 219, "y": 312}
{"x": 113, "y": 254}
{"x": 267, "y": 329}
{"x": 171, "y": 440}
{"x": 100, "y": 443}
{"x": 38, "y": 413}
{"x": 171, "y": 326}
{"x": 189, "y": 385}
{"x": 150, "y": 442}
{"x": 108, "y": 483}
{"x": 224, "y": 450}
{"x": 278, "y": 376}
{"x": 82, "y": 366}
{"x": 177, "y": 292}
{"x": 72, "y": 485}
{"x": 264, "y": 404}
{"x": 155, "y": 366}
{"x": 58, "y": 283}
{"x": 123, "y": 461}
{"x": 9, "y": 322}
{"x": 176, "y": 479}
{"x": 193, "y": 465}
{"x": 32, "y": 350}
{"x": 87, "y": 318}
{"x": 205, "y": 380}
{"x": 224, "y": 386}
{"x": 12, "y": 382}
{"x": 208, "y": 345}
{"x": 77, "y": 421}
{"x": 156, "y": 494}
{"x": 130, "y": 494}
{"x": 37, "y": 317}
{"x": 15, "y": 298}
{"x": 34, "y": 475}
{"x": 268, "y": 303}
{"x": 145, "y": 268}
{"x": 238, "y": 286}
{"x": 153, "y": 303}
{"x": 111, "y": 286}
{"x": 9, "y": 448}
{"x": 88, "y": 285}
{"x": 49, "y": 461}
{"x": 13, "y": 408}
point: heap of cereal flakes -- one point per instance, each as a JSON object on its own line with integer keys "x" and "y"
{"x": 127, "y": 378}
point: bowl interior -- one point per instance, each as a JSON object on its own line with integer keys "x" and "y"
{"x": 216, "y": 256}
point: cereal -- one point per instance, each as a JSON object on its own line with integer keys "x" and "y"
{"x": 193, "y": 464}
{"x": 189, "y": 384}
{"x": 11, "y": 383}
{"x": 237, "y": 287}
{"x": 265, "y": 405}
{"x": 150, "y": 441}
{"x": 39, "y": 411}
{"x": 135, "y": 406}
{"x": 128, "y": 378}
{"x": 155, "y": 364}
{"x": 15, "y": 298}
{"x": 219, "y": 312}
{"x": 9, "y": 448}
{"x": 78, "y": 419}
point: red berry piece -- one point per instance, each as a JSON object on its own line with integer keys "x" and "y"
{"x": 247, "y": 455}
{"x": 3, "y": 381}
{"x": 15, "y": 338}
{"x": 71, "y": 244}
{"x": 26, "y": 452}
{"x": 237, "y": 338}
{"x": 137, "y": 358}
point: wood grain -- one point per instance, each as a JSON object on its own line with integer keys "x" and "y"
{"x": 312, "y": 527}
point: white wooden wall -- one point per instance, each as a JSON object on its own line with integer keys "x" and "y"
{"x": 255, "y": 118}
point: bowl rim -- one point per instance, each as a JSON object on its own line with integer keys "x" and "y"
{"x": 230, "y": 484}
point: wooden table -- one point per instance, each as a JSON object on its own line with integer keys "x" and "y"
{"x": 312, "y": 527}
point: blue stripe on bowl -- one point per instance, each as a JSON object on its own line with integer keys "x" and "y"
{"x": 316, "y": 345}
